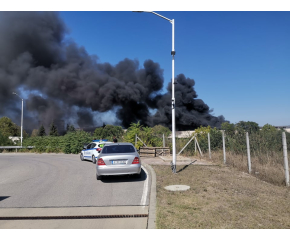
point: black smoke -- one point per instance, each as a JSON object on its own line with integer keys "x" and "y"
{"x": 65, "y": 81}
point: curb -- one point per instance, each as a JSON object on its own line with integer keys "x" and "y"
{"x": 152, "y": 199}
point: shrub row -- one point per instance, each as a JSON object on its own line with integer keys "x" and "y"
{"x": 261, "y": 141}
{"x": 72, "y": 142}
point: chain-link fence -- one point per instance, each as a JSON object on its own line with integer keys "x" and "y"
{"x": 264, "y": 157}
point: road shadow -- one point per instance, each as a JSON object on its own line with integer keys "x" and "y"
{"x": 186, "y": 166}
{"x": 124, "y": 178}
{"x": 4, "y": 197}
{"x": 88, "y": 161}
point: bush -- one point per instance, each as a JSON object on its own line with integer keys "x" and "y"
{"x": 135, "y": 128}
{"x": 5, "y": 141}
{"x": 72, "y": 142}
{"x": 152, "y": 137}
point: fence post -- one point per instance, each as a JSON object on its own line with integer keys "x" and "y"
{"x": 249, "y": 153}
{"x": 224, "y": 146}
{"x": 285, "y": 158}
{"x": 163, "y": 140}
{"x": 200, "y": 152}
{"x": 209, "y": 153}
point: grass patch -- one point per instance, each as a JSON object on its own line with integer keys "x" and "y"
{"x": 219, "y": 197}
{"x": 266, "y": 167}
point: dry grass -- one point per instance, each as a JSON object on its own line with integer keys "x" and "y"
{"x": 219, "y": 197}
{"x": 266, "y": 167}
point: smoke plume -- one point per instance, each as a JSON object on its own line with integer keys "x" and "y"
{"x": 65, "y": 82}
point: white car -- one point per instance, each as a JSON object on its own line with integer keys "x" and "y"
{"x": 92, "y": 150}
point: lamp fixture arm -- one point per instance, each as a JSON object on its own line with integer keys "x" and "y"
{"x": 162, "y": 17}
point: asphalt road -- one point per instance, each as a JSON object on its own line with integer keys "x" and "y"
{"x": 57, "y": 180}
{"x": 62, "y": 181}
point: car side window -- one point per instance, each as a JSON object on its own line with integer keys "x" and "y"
{"x": 105, "y": 150}
{"x": 93, "y": 145}
{"x": 89, "y": 146}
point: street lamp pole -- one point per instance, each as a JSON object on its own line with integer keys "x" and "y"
{"x": 173, "y": 92}
{"x": 21, "y": 117}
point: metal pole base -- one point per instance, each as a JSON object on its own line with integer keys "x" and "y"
{"x": 173, "y": 167}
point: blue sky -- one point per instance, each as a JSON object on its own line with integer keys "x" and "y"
{"x": 240, "y": 61}
{"x": 238, "y": 52}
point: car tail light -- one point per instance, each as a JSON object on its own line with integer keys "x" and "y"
{"x": 98, "y": 149}
{"x": 136, "y": 160}
{"x": 101, "y": 161}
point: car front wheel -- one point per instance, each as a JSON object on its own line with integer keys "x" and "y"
{"x": 82, "y": 157}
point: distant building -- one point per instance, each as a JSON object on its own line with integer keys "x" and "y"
{"x": 285, "y": 128}
{"x": 182, "y": 134}
{"x": 14, "y": 139}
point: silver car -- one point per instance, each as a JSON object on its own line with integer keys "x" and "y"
{"x": 118, "y": 159}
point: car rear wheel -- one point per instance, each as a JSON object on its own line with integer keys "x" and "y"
{"x": 82, "y": 157}
{"x": 99, "y": 177}
{"x": 94, "y": 159}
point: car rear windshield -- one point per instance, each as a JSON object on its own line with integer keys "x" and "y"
{"x": 118, "y": 149}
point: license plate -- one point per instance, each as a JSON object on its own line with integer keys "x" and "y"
{"x": 118, "y": 162}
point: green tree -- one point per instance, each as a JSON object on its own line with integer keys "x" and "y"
{"x": 215, "y": 139}
{"x": 70, "y": 128}
{"x": 159, "y": 130}
{"x": 157, "y": 136}
{"x": 108, "y": 132}
{"x": 5, "y": 141}
{"x": 147, "y": 136}
{"x": 41, "y": 131}
{"x": 249, "y": 127}
{"x": 135, "y": 128}
{"x": 269, "y": 128}
{"x": 229, "y": 128}
{"x": 8, "y": 128}
{"x": 98, "y": 133}
{"x": 201, "y": 134}
{"x": 53, "y": 130}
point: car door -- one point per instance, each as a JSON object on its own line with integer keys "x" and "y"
{"x": 93, "y": 150}
{"x": 87, "y": 152}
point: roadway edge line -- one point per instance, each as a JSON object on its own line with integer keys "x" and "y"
{"x": 152, "y": 200}
{"x": 145, "y": 189}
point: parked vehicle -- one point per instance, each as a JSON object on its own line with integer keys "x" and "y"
{"x": 118, "y": 159}
{"x": 92, "y": 150}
